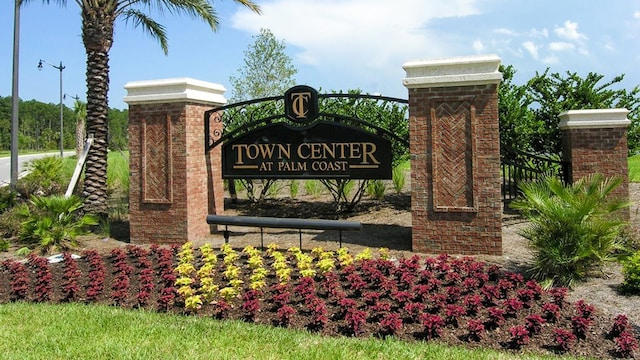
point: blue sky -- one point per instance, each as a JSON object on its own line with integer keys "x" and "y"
{"x": 335, "y": 44}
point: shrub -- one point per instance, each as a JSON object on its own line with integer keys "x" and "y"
{"x": 519, "y": 336}
{"x": 70, "y": 277}
{"x": 390, "y": 324}
{"x": 42, "y": 282}
{"x": 319, "y": 313}
{"x": 10, "y": 223}
{"x": 294, "y": 186}
{"x": 476, "y": 329}
{"x": 52, "y": 223}
{"x": 376, "y": 189}
{"x": 7, "y": 198}
{"x": 313, "y": 187}
{"x": 533, "y": 323}
{"x": 572, "y": 231}
{"x": 551, "y": 311}
{"x": 97, "y": 272}
{"x": 4, "y": 245}
{"x": 45, "y": 177}
{"x": 284, "y": 314}
{"x": 620, "y": 325}
{"x": 564, "y": 339}
{"x": 19, "y": 282}
{"x": 626, "y": 344}
{"x": 433, "y": 325}
{"x": 631, "y": 273}
{"x": 398, "y": 176}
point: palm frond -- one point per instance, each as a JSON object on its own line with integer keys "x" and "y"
{"x": 148, "y": 25}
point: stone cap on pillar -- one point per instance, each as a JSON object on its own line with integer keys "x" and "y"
{"x": 454, "y": 71}
{"x": 594, "y": 119}
{"x": 174, "y": 90}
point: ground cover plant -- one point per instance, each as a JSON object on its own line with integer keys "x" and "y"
{"x": 443, "y": 299}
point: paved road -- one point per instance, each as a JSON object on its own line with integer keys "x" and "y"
{"x": 5, "y": 164}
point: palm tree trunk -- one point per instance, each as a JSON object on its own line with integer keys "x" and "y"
{"x": 80, "y": 136}
{"x": 97, "y": 35}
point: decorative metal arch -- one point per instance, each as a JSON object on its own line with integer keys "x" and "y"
{"x": 355, "y": 110}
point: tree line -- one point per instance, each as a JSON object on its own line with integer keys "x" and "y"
{"x": 39, "y": 125}
{"x": 529, "y": 112}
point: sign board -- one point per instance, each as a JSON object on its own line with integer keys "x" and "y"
{"x": 322, "y": 150}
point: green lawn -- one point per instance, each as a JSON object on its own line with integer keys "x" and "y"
{"x": 634, "y": 168}
{"x": 77, "y": 331}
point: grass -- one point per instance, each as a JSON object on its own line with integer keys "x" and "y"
{"x": 77, "y": 331}
{"x": 634, "y": 168}
{"x": 117, "y": 170}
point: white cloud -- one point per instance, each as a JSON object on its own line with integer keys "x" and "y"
{"x": 535, "y": 33}
{"x": 373, "y": 33}
{"x": 531, "y": 48}
{"x": 551, "y": 60}
{"x": 569, "y": 31}
{"x": 636, "y": 15}
{"x": 561, "y": 46}
{"x": 504, "y": 31}
{"x": 478, "y": 46}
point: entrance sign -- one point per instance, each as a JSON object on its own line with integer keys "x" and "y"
{"x": 322, "y": 150}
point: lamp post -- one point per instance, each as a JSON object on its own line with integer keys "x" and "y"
{"x": 60, "y": 67}
{"x": 14, "y": 96}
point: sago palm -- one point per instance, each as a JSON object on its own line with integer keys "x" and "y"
{"x": 52, "y": 223}
{"x": 98, "y": 23}
{"x": 573, "y": 228}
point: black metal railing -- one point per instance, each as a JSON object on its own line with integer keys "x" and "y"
{"x": 519, "y": 166}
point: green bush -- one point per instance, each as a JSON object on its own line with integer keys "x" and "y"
{"x": 4, "y": 245}
{"x": 631, "y": 272}
{"x": 398, "y": 177}
{"x": 52, "y": 223}
{"x": 313, "y": 187}
{"x": 572, "y": 230}
{"x": 7, "y": 198}
{"x": 45, "y": 177}
{"x": 9, "y": 223}
{"x": 294, "y": 186}
{"x": 376, "y": 189}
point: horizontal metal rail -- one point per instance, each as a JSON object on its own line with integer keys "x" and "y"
{"x": 283, "y": 223}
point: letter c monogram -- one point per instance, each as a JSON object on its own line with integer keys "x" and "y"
{"x": 299, "y": 104}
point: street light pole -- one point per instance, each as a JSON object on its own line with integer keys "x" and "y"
{"x": 14, "y": 96}
{"x": 61, "y": 67}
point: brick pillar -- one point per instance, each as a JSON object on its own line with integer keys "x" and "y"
{"x": 455, "y": 155}
{"x": 595, "y": 141}
{"x": 173, "y": 183}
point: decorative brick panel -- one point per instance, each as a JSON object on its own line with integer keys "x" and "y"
{"x": 453, "y": 152}
{"x": 156, "y": 160}
{"x": 454, "y": 139}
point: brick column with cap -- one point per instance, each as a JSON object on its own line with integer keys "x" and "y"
{"x": 595, "y": 141}
{"x": 455, "y": 155}
{"x": 173, "y": 182}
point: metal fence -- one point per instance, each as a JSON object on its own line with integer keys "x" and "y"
{"x": 519, "y": 166}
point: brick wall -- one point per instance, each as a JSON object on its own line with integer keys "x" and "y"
{"x": 455, "y": 170}
{"x": 174, "y": 184}
{"x": 598, "y": 150}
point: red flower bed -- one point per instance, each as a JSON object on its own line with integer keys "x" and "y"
{"x": 454, "y": 300}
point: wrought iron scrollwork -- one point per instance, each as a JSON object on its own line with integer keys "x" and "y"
{"x": 369, "y": 112}
{"x": 519, "y": 166}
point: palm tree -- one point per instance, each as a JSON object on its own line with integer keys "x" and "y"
{"x": 98, "y": 22}
{"x": 80, "y": 113}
